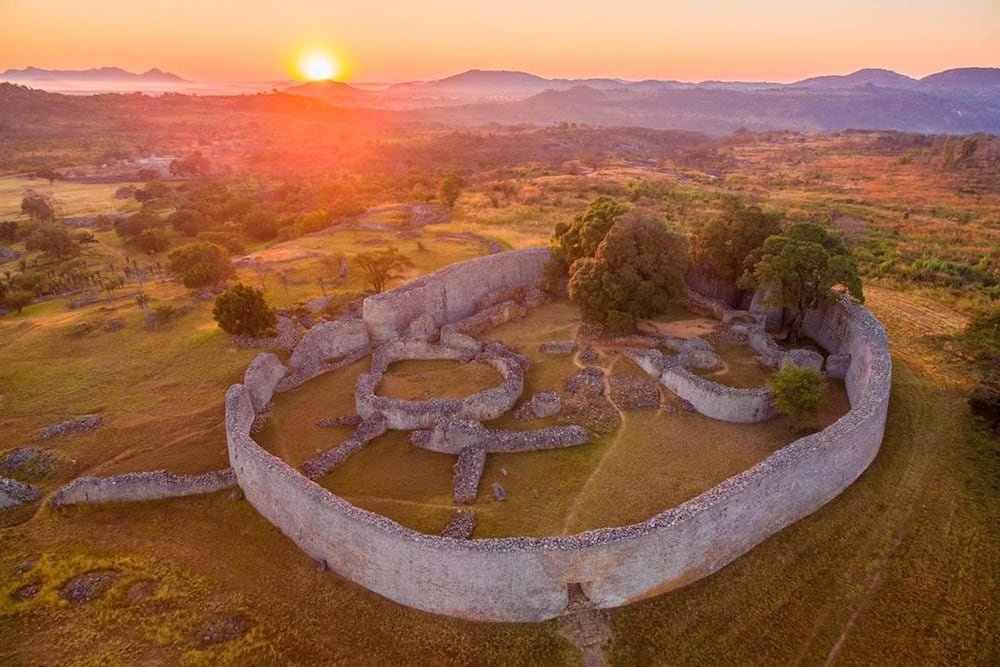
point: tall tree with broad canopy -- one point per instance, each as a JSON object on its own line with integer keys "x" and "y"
{"x": 725, "y": 241}
{"x": 803, "y": 265}
{"x": 636, "y": 271}
{"x": 200, "y": 264}
{"x": 580, "y": 237}
{"x": 380, "y": 267}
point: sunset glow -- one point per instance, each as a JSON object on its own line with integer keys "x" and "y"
{"x": 392, "y": 40}
{"x": 318, "y": 67}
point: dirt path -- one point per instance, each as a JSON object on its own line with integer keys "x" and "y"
{"x": 574, "y": 508}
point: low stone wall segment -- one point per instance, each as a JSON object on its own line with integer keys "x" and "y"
{"x": 529, "y": 579}
{"x": 141, "y": 486}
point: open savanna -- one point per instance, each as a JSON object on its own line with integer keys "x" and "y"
{"x": 899, "y": 569}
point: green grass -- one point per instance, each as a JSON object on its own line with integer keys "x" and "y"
{"x": 899, "y": 569}
{"x": 740, "y": 366}
{"x": 423, "y": 379}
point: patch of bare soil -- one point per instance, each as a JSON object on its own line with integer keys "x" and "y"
{"x": 697, "y": 326}
{"x": 223, "y": 628}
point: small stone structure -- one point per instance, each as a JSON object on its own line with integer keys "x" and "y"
{"x": 718, "y": 401}
{"x": 408, "y": 415}
{"x": 139, "y": 486}
{"x": 13, "y": 493}
{"x": 537, "y": 578}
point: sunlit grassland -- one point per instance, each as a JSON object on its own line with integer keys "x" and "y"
{"x": 72, "y": 199}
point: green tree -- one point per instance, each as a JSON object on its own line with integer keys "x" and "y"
{"x": 193, "y": 164}
{"x": 947, "y": 155}
{"x": 580, "y": 237}
{"x": 242, "y": 311}
{"x": 802, "y": 265}
{"x": 54, "y": 240}
{"x": 200, "y": 264}
{"x": 798, "y": 392}
{"x": 38, "y": 206}
{"x": 260, "y": 225}
{"x": 724, "y": 242}
{"x": 17, "y": 300}
{"x": 449, "y": 189}
{"x": 636, "y": 271}
{"x": 380, "y": 267}
{"x": 153, "y": 240}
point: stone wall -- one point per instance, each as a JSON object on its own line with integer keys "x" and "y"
{"x": 139, "y": 486}
{"x": 453, "y": 293}
{"x": 452, "y": 435}
{"x": 529, "y": 579}
{"x": 325, "y": 347}
{"x": 408, "y": 415}
{"x": 728, "y": 404}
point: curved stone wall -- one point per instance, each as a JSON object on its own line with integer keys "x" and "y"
{"x": 718, "y": 401}
{"x": 528, "y": 579}
{"x": 408, "y": 415}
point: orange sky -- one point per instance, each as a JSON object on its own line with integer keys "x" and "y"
{"x": 394, "y": 40}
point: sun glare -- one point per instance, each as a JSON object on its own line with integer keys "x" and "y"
{"x": 318, "y": 67}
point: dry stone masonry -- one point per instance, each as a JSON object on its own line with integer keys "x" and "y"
{"x": 536, "y": 578}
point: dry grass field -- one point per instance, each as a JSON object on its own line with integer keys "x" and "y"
{"x": 899, "y": 569}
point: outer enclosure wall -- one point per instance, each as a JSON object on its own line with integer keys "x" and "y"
{"x": 526, "y": 579}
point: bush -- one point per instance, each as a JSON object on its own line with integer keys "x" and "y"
{"x": 16, "y": 300}
{"x": 200, "y": 264}
{"x": 798, "y": 391}
{"x": 242, "y": 311}
{"x": 153, "y": 240}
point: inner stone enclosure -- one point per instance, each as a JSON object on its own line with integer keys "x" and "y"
{"x": 656, "y": 454}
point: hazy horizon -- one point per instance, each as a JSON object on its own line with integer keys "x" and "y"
{"x": 388, "y": 41}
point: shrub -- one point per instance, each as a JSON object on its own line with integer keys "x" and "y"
{"x": 200, "y": 264}
{"x": 242, "y": 311}
{"x": 153, "y": 240}
{"x": 798, "y": 391}
{"x": 16, "y": 300}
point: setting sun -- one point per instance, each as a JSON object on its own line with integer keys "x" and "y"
{"x": 318, "y": 66}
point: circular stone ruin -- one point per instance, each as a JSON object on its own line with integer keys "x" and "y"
{"x": 536, "y": 578}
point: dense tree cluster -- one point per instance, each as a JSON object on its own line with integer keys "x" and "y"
{"x": 622, "y": 266}
{"x": 722, "y": 245}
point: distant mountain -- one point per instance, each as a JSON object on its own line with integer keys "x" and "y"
{"x": 722, "y": 111}
{"x": 98, "y": 74}
{"x": 964, "y": 76}
{"x": 882, "y": 78}
{"x": 332, "y": 92}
